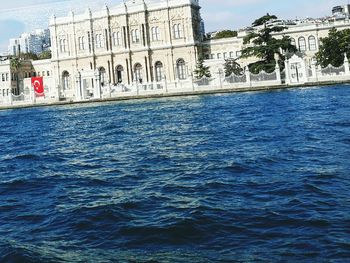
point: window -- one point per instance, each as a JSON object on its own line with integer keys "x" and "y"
{"x": 135, "y": 36}
{"x": 177, "y": 31}
{"x": 81, "y": 41}
{"x": 302, "y": 44}
{"x": 181, "y": 69}
{"x": 99, "y": 41}
{"x": 119, "y": 74}
{"x": 218, "y": 56}
{"x": 312, "y": 43}
{"x": 65, "y": 80}
{"x": 238, "y": 53}
{"x": 155, "y": 33}
{"x": 138, "y": 72}
{"x": 159, "y": 71}
{"x": 63, "y": 45}
{"x": 231, "y": 54}
{"x": 48, "y": 73}
{"x": 116, "y": 39}
{"x": 225, "y": 55}
{"x": 103, "y": 75}
{"x": 212, "y": 56}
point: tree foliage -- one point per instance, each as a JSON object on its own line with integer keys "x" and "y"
{"x": 333, "y": 47}
{"x": 263, "y": 46}
{"x": 232, "y": 67}
{"x": 45, "y": 55}
{"x": 225, "y": 34}
{"x": 33, "y": 56}
{"x": 28, "y": 56}
{"x": 15, "y": 63}
{"x": 201, "y": 70}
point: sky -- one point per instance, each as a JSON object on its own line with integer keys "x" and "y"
{"x": 18, "y": 16}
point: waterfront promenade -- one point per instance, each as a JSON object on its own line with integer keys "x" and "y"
{"x": 125, "y": 96}
{"x": 81, "y": 92}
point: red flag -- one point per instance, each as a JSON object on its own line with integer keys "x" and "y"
{"x": 38, "y": 85}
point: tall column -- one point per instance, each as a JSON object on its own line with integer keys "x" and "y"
{"x": 287, "y": 71}
{"x": 346, "y": 64}
{"x": 97, "y": 90}
{"x": 247, "y": 74}
{"x": 314, "y": 70}
{"x": 78, "y": 95}
{"x": 278, "y": 72}
{"x": 10, "y": 99}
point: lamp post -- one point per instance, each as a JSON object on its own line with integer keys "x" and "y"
{"x": 220, "y": 80}
{"x": 78, "y": 93}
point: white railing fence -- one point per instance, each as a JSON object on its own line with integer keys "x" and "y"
{"x": 218, "y": 81}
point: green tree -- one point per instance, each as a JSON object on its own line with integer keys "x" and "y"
{"x": 201, "y": 70}
{"x": 45, "y": 55}
{"x": 15, "y": 64}
{"x": 232, "y": 67}
{"x": 263, "y": 46}
{"x": 28, "y": 56}
{"x": 333, "y": 47}
{"x": 225, "y": 34}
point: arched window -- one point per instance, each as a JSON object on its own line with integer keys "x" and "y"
{"x": 312, "y": 43}
{"x": 181, "y": 69}
{"x": 135, "y": 36}
{"x": 177, "y": 28}
{"x": 116, "y": 39}
{"x": 302, "y": 44}
{"x": 99, "y": 41}
{"x": 103, "y": 75}
{"x": 81, "y": 41}
{"x": 63, "y": 45}
{"x": 155, "y": 33}
{"x": 119, "y": 74}
{"x": 138, "y": 72}
{"x": 159, "y": 71}
{"x": 65, "y": 80}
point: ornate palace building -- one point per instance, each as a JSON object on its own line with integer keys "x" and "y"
{"x": 137, "y": 41}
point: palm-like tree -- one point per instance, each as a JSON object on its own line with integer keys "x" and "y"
{"x": 15, "y": 66}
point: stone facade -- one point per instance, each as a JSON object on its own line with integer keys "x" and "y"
{"x": 138, "y": 41}
{"x": 305, "y": 36}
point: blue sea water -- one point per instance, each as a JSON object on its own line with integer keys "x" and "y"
{"x": 248, "y": 177}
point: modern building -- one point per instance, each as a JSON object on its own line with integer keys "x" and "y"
{"x": 137, "y": 41}
{"x": 341, "y": 11}
{"x": 35, "y": 42}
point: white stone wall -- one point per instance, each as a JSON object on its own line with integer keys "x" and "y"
{"x": 126, "y": 36}
{"x": 5, "y": 79}
{"x": 216, "y": 49}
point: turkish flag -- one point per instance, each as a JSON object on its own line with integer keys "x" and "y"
{"x": 38, "y": 85}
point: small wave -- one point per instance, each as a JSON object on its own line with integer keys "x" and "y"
{"x": 30, "y": 157}
{"x": 238, "y": 168}
{"x": 315, "y": 190}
